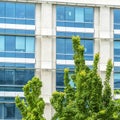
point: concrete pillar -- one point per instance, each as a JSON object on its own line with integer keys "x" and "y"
{"x": 38, "y": 41}
{"x": 104, "y": 38}
{"x": 96, "y": 29}
{"x": 48, "y": 54}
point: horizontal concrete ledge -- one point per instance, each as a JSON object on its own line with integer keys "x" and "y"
{"x": 109, "y": 3}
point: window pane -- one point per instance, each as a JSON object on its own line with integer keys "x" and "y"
{"x": 60, "y": 13}
{"x": 1, "y": 111}
{"x": 70, "y": 13}
{"x": 116, "y": 80}
{"x": 9, "y": 111}
{"x": 89, "y": 47}
{"x": 29, "y": 75}
{"x": 9, "y": 77}
{"x": 20, "y": 10}
{"x": 30, "y": 11}
{"x": 2, "y": 43}
{"x": 79, "y": 14}
{"x": 69, "y": 46}
{"x": 60, "y": 46}
{"x": 89, "y": 15}
{"x": 30, "y": 44}
{"x": 10, "y": 43}
{"x": 117, "y": 16}
{"x": 2, "y": 76}
{"x": 17, "y": 114}
{"x": 116, "y": 48}
{"x": 59, "y": 78}
{"x": 2, "y": 9}
{"x": 20, "y": 77}
{"x": 20, "y": 43}
{"x": 10, "y": 9}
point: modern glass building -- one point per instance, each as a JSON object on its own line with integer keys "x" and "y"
{"x": 35, "y": 40}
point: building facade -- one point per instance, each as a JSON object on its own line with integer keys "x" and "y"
{"x": 35, "y": 39}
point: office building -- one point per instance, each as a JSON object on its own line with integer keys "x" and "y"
{"x": 35, "y": 39}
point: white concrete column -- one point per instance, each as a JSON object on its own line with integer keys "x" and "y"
{"x": 48, "y": 54}
{"x": 38, "y": 41}
{"x": 96, "y": 30}
{"x": 104, "y": 38}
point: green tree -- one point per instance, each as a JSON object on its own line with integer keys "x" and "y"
{"x": 32, "y": 107}
{"x": 88, "y": 100}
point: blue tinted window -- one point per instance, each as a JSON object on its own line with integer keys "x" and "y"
{"x": 20, "y": 77}
{"x": 60, "y": 13}
{"x": 116, "y": 47}
{"x": 116, "y": 15}
{"x": 2, "y": 76}
{"x": 2, "y": 9}
{"x": 70, "y": 13}
{"x": 11, "y": 12}
{"x": 9, "y": 77}
{"x": 30, "y": 11}
{"x": 20, "y": 10}
{"x": 2, "y": 43}
{"x": 29, "y": 75}
{"x": 10, "y": 9}
{"x": 1, "y": 112}
{"x": 69, "y": 46}
{"x": 79, "y": 14}
{"x": 9, "y": 111}
{"x": 20, "y": 43}
{"x": 60, "y": 45}
{"x": 69, "y": 16}
{"x": 60, "y": 48}
{"x": 116, "y": 80}
{"x": 89, "y": 15}
{"x": 30, "y": 46}
{"x": 59, "y": 78}
{"x": 89, "y": 47}
{"x": 10, "y": 43}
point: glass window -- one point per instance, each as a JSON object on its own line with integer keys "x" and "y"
{"x": 20, "y": 43}
{"x": 20, "y": 10}
{"x": 30, "y": 11}
{"x": 9, "y": 111}
{"x": 29, "y": 75}
{"x": 2, "y": 76}
{"x": 30, "y": 44}
{"x": 69, "y": 46}
{"x": 116, "y": 47}
{"x": 2, "y": 9}
{"x": 17, "y": 114}
{"x": 10, "y": 43}
{"x": 10, "y": 9}
{"x": 116, "y": 80}
{"x": 89, "y": 47}
{"x": 1, "y": 111}
{"x": 9, "y": 77}
{"x": 70, "y": 13}
{"x": 116, "y": 15}
{"x": 20, "y": 77}
{"x": 60, "y": 45}
{"x": 89, "y": 15}
{"x": 2, "y": 43}
{"x": 79, "y": 14}
{"x": 60, "y": 13}
{"x": 59, "y": 78}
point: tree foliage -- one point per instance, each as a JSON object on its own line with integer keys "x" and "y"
{"x": 89, "y": 99}
{"x": 32, "y": 107}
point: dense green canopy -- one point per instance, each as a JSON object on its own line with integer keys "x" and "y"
{"x": 32, "y": 107}
{"x": 88, "y": 100}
